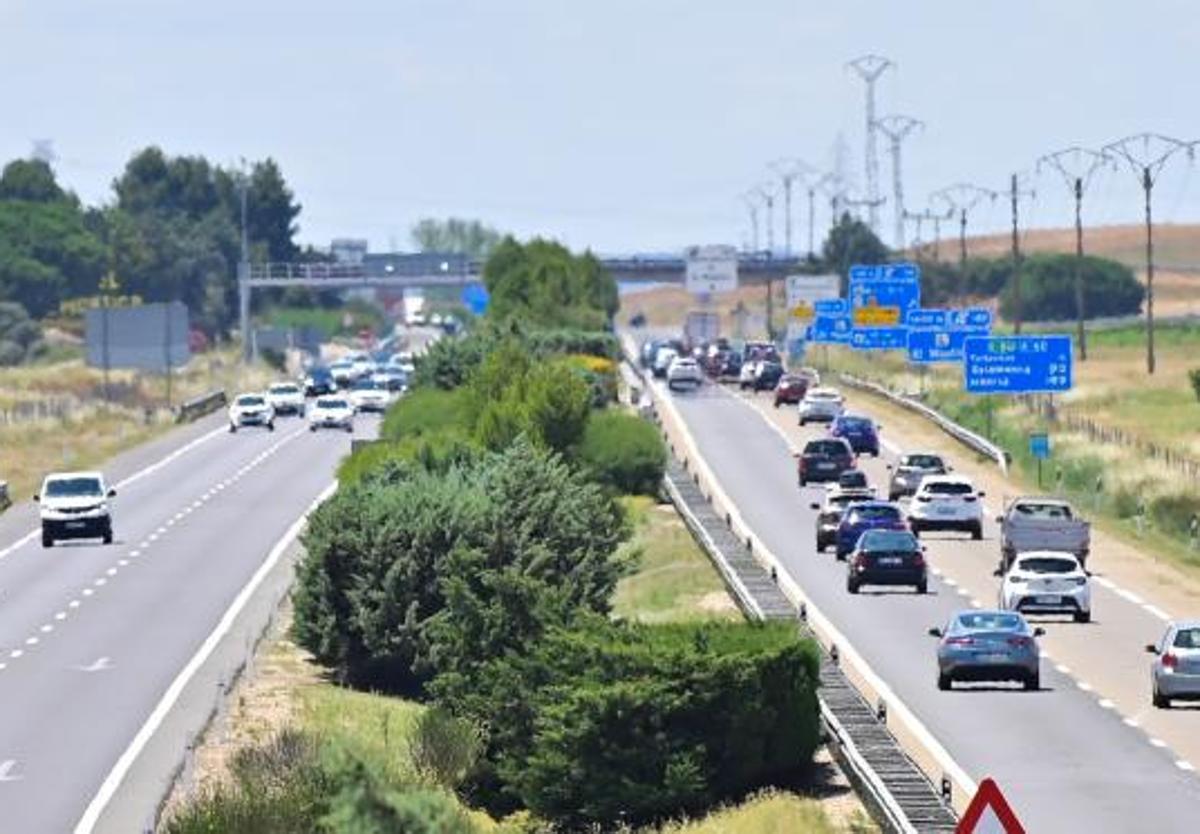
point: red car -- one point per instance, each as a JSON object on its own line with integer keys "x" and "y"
{"x": 790, "y": 390}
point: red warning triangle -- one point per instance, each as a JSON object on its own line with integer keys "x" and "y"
{"x": 989, "y": 813}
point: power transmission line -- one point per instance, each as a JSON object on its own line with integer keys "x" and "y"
{"x": 869, "y": 68}
{"x": 790, "y": 171}
{"x": 961, "y": 198}
{"x": 1146, "y": 154}
{"x": 1077, "y": 166}
{"x": 751, "y": 202}
{"x": 936, "y": 217}
{"x": 767, "y": 192}
{"x": 896, "y": 128}
{"x": 1016, "y": 192}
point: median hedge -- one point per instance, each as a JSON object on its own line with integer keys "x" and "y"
{"x": 623, "y": 452}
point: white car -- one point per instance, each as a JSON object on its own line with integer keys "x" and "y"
{"x": 946, "y": 502}
{"x": 251, "y": 410}
{"x": 663, "y": 360}
{"x": 286, "y": 398}
{"x": 74, "y": 505}
{"x": 749, "y": 373}
{"x": 684, "y": 371}
{"x": 391, "y": 378}
{"x": 331, "y": 412}
{"x": 342, "y": 372}
{"x": 821, "y": 405}
{"x": 1047, "y": 582}
{"x": 367, "y": 395}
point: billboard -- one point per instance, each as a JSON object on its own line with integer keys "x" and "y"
{"x": 152, "y": 337}
{"x": 711, "y": 269}
{"x": 804, "y": 291}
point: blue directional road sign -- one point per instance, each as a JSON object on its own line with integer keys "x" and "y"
{"x": 831, "y": 307}
{"x": 830, "y": 330}
{"x": 879, "y": 338}
{"x": 977, "y": 318}
{"x": 928, "y": 318}
{"x": 1017, "y": 364}
{"x": 883, "y": 296}
{"x": 936, "y": 345}
{"x": 1039, "y": 445}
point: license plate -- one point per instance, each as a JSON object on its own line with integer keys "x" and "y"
{"x": 993, "y": 658}
{"x": 824, "y": 465}
{"x": 1048, "y": 599}
{"x": 76, "y": 525}
{"x": 891, "y": 561}
{"x": 944, "y": 511}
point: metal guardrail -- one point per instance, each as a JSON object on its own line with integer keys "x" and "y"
{"x": 960, "y": 433}
{"x": 197, "y": 407}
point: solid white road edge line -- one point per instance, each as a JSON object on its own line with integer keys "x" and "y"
{"x": 112, "y": 782}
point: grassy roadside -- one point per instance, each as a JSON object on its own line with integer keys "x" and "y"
{"x": 91, "y": 432}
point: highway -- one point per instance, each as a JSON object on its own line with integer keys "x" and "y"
{"x": 91, "y": 637}
{"x": 1066, "y": 758}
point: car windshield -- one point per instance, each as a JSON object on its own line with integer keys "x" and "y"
{"x": 249, "y": 401}
{"x": 332, "y": 404}
{"x": 991, "y": 621}
{"x": 893, "y": 540}
{"x": 284, "y": 389}
{"x": 845, "y": 500}
{"x": 365, "y": 385}
{"x": 1187, "y": 638}
{"x": 944, "y": 488}
{"x": 876, "y": 512}
{"x": 1038, "y": 510}
{"x": 853, "y": 478}
{"x": 823, "y": 395}
{"x": 1047, "y": 564}
{"x": 73, "y": 487}
{"x": 854, "y": 423}
{"x": 921, "y": 461}
{"x": 825, "y": 447}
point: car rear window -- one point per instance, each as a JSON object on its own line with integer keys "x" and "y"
{"x": 332, "y": 404}
{"x": 947, "y": 488}
{"x": 1036, "y": 510}
{"x": 877, "y": 512}
{"x": 922, "y": 461}
{"x": 825, "y": 447}
{"x": 823, "y": 395}
{"x": 856, "y": 423}
{"x": 1047, "y": 564}
{"x": 1187, "y": 638}
{"x": 891, "y": 540}
{"x": 853, "y": 478}
{"x": 993, "y": 620}
{"x": 251, "y": 401}
{"x": 284, "y": 389}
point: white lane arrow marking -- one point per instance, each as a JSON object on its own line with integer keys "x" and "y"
{"x": 6, "y": 771}
{"x": 101, "y": 665}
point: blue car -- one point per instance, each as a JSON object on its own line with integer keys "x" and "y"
{"x": 864, "y": 516}
{"x": 859, "y": 432}
{"x": 988, "y": 646}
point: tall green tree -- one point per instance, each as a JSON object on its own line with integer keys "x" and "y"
{"x": 32, "y": 180}
{"x": 542, "y": 283}
{"x": 851, "y": 241}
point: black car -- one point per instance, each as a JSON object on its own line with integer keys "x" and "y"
{"x": 887, "y": 557}
{"x": 768, "y": 376}
{"x": 853, "y": 479}
{"x": 318, "y": 382}
{"x": 824, "y": 459}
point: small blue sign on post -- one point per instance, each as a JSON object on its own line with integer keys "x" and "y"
{"x": 928, "y": 318}
{"x": 1039, "y": 445}
{"x": 1017, "y": 364}
{"x": 831, "y": 307}
{"x": 977, "y": 318}
{"x": 475, "y": 298}
{"x": 830, "y": 330}
{"x": 928, "y": 346}
{"x": 879, "y": 338}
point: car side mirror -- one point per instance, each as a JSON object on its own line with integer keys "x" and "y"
{"x": 949, "y": 468}
{"x": 981, "y": 494}
{"x": 1039, "y": 631}
{"x": 999, "y": 519}
{"x": 814, "y": 506}
{"x": 112, "y": 493}
{"x": 37, "y": 497}
{"x": 997, "y": 572}
{"x": 795, "y": 454}
{"x": 889, "y": 467}
{"x": 1151, "y": 648}
{"x": 935, "y": 632}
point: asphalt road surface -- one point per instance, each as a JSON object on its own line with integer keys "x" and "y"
{"x": 1064, "y": 760}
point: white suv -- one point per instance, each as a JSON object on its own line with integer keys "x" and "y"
{"x": 74, "y": 505}
{"x": 251, "y": 410}
{"x": 1047, "y": 582}
{"x": 946, "y": 502}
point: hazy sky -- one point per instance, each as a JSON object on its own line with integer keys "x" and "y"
{"x": 618, "y": 124}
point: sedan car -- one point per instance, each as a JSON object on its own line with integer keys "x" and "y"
{"x": 887, "y": 557}
{"x": 684, "y": 373}
{"x": 286, "y": 398}
{"x": 331, "y": 412}
{"x": 823, "y": 459}
{"x": 251, "y": 410}
{"x": 829, "y": 514}
{"x": 790, "y": 389}
{"x": 367, "y": 395}
{"x": 864, "y": 516}
{"x": 859, "y": 431}
{"x": 1047, "y": 582}
{"x": 946, "y": 502}
{"x": 911, "y": 470}
{"x": 988, "y": 646}
{"x": 1175, "y": 672}
{"x": 821, "y": 405}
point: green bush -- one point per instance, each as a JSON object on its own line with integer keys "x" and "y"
{"x": 363, "y": 805}
{"x": 1173, "y": 514}
{"x": 444, "y": 749}
{"x": 392, "y": 461}
{"x": 1194, "y": 379}
{"x": 558, "y": 403}
{"x": 1048, "y": 289}
{"x": 610, "y": 722}
{"x": 427, "y": 411}
{"x": 623, "y": 452}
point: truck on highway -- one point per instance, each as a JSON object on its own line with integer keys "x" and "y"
{"x": 701, "y": 328}
{"x": 1041, "y": 523}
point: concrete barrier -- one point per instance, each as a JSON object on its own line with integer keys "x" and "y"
{"x": 197, "y": 407}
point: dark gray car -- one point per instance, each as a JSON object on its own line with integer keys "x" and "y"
{"x": 988, "y": 646}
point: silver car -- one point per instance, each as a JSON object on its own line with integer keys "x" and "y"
{"x": 988, "y": 646}
{"x": 1175, "y": 672}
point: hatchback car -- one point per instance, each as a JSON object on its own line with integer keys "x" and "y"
{"x": 684, "y": 373}
{"x": 332, "y": 412}
{"x": 887, "y": 557}
{"x": 947, "y": 502}
{"x": 368, "y": 395}
{"x": 821, "y": 405}
{"x": 823, "y": 459}
{"x": 854, "y": 479}
{"x": 829, "y": 514}
{"x": 991, "y": 646}
{"x": 859, "y": 431}
{"x": 286, "y": 398}
{"x": 1175, "y": 672}
{"x": 1047, "y": 582}
{"x": 912, "y": 468}
{"x": 864, "y": 516}
{"x": 790, "y": 390}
